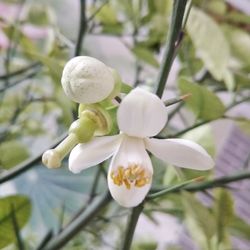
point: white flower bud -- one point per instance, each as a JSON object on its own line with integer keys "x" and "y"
{"x": 51, "y": 159}
{"x": 87, "y": 80}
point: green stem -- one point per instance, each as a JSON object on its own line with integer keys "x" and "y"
{"x": 131, "y": 227}
{"x": 77, "y": 225}
{"x": 45, "y": 239}
{"x": 67, "y": 145}
{"x": 169, "y": 189}
{"x": 170, "y": 52}
{"x": 190, "y": 128}
{"x": 219, "y": 182}
{"x": 82, "y": 28}
{"x": 92, "y": 195}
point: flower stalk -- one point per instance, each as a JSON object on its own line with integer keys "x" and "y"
{"x": 92, "y": 119}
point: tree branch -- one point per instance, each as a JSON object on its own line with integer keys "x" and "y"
{"x": 20, "y": 71}
{"x": 82, "y": 28}
{"x": 219, "y": 182}
{"x": 172, "y": 44}
{"x": 136, "y": 211}
{"x": 77, "y": 225}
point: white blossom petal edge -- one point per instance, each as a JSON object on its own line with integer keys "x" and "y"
{"x": 140, "y": 116}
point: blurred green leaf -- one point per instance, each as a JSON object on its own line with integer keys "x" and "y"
{"x": 150, "y": 245}
{"x": 224, "y": 211}
{"x": 21, "y": 207}
{"x": 199, "y": 220}
{"x": 204, "y": 103}
{"x": 211, "y": 44}
{"x": 12, "y": 153}
{"x": 39, "y": 14}
{"x": 203, "y": 135}
{"x": 170, "y": 175}
{"x": 239, "y": 227}
{"x": 107, "y": 15}
{"x": 240, "y": 43}
{"x": 237, "y": 17}
{"x": 145, "y": 55}
{"x": 244, "y": 125}
{"x": 216, "y": 6}
{"x": 55, "y": 66}
{"x": 115, "y": 29}
{"x": 159, "y": 171}
{"x": 66, "y": 105}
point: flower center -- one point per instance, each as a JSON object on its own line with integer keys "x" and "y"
{"x": 134, "y": 175}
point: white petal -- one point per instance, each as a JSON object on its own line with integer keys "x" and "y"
{"x": 131, "y": 151}
{"x": 89, "y": 154}
{"x": 141, "y": 114}
{"x": 180, "y": 152}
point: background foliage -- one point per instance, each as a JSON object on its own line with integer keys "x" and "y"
{"x": 36, "y": 40}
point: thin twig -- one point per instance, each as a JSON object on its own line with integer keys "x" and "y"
{"x": 77, "y": 225}
{"x": 23, "y": 167}
{"x": 91, "y": 196}
{"x": 218, "y": 182}
{"x": 82, "y": 29}
{"x": 97, "y": 11}
{"x": 45, "y": 240}
{"x": 14, "y": 83}
{"x": 172, "y": 44}
{"x": 136, "y": 211}
{"x": 20, "y": 71}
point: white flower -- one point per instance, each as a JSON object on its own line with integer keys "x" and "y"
{"x": 87, "y": 80}
{"x": 141, "y": 115}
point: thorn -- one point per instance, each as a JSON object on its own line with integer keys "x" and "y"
{"x": 186, "y": 96}
{"x": 199, "y": 179}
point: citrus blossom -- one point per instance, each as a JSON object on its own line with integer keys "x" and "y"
{"x": 140, "y": 116}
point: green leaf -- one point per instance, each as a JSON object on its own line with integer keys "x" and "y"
{"x": 66, "y": 105}
{"x": 55, "y": 66}
{"x": 21, "y": 207}
{"x": 210, "y": 42}
{"x": 200, "y": 221}
{"x": 115, "y": 29}
{"x": 39, "y": 14}
{"x": 217, "y": 7}
{"x": 240, "y": 43}
{"x": 224, "y": 211}
{"x": 107, "y": 15}
{"x": 238, "y": 227}
{"x": 150, "y": 245}
{"x": 202, "y": 135}
{"x": 237, "y": 17}
{"x": 145, "y": 55}
{"x": 159, "y": 171}
{"x": 204, "y": 103}
{"x": 244, "y": 125}
{"x": 12, "y": 153}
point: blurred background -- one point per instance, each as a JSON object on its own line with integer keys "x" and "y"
{"x": 37, "y": 38}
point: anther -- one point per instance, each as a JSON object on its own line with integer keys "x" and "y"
{"x": 134, "y": 174}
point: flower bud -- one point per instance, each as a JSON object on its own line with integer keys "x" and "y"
{"x": 51, "y": 159}
{"x": 87, "y": 80}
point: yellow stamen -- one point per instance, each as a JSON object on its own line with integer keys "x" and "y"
{"x": 134, "y": 174}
